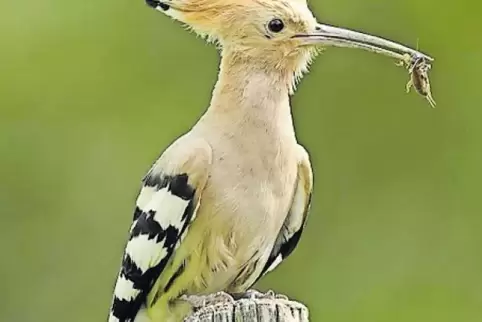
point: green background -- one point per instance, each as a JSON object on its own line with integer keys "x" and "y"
{"x": 92, "y": 91}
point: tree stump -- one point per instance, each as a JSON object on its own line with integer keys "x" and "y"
{"x": 252, "y": 306}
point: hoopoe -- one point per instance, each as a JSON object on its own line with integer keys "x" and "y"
{"x": 228, "y": 200}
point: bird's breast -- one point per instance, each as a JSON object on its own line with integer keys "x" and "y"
{"x": 240, "y": 215}
{"x": 244, "y": 204}
{"x": 246, "y": 200}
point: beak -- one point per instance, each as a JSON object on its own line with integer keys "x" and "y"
{"x": 340, "y": 37}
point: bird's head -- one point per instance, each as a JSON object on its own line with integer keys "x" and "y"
{"x": 282, "y": 34}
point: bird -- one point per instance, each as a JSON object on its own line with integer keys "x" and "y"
{"x": 228, "y": 200}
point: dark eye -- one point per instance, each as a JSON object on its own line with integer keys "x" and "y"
{"x": 276, "y": 25}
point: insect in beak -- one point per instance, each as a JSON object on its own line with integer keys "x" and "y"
{"x": 417, "y": 63}
{"x": 340, "y": 37}
{"x": 418, "y": 68}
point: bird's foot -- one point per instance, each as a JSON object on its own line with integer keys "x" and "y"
{"x": 219, "y": 297}
{"x": 254, "y": 294}
{"x": 198, "y": 301}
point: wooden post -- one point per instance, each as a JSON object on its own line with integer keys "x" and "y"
{"x": 250, "y": 307}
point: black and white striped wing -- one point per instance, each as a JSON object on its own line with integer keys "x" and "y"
{"x": 165, "y": 207}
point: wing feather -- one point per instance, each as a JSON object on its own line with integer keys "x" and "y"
{"x": 165, "y": 207}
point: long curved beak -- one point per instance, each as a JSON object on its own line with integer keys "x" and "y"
{"x": 341, "y": 37}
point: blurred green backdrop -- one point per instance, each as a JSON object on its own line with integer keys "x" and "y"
{"x": 92, "y": 91}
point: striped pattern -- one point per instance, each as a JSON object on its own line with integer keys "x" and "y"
{"x": 158, "y": 5}
{"x": 163, "y": 211}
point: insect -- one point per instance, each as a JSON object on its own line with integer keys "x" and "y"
{"x": 418, "y": 72}
{"x": 418, "y": 68}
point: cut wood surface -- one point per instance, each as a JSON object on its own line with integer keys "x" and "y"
{"x": 250, "y": 307}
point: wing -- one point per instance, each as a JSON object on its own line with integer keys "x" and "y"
{"x": 291, "y": 231}
{"x": 166, "y": 205}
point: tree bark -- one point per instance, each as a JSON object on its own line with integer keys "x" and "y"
{"x": 250, "y": 307}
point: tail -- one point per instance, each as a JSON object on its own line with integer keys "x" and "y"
{"x": 127, "y": 302}
{"x": 141, "y": 316}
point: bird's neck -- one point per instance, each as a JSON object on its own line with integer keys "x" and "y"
{"x": 253, "y": 96}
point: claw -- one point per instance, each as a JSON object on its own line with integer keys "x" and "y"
{"x": 409, "y": 86}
